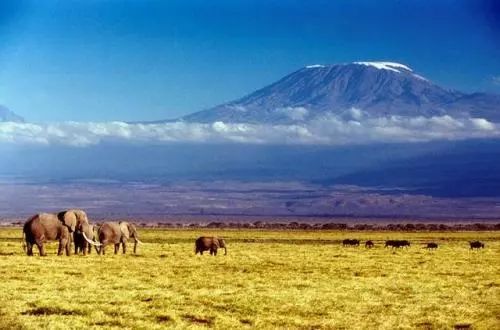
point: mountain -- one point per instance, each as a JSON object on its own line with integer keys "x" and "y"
{"x": 376, "y": 88}
{"x": 7, "y": 115}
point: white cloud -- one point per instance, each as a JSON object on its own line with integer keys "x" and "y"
{"x": 482, "y": 124}
{"x": 496, "y": 80}
{"x": 294, "y": 113}
{"x": 357, "y": 128}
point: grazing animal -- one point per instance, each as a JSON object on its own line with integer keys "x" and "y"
{"x": 403, "y": 243}
{"x": 43, "y": 227}
{"x": 350, "y": 242}
{"x": 369, "y": 244}
{"x": 117, "y": 233}
{"x": 476, "y": 245}
{"x": 397, "y": 243}
{"x": 211, "y": 244}
{"x": 431, "y": 246}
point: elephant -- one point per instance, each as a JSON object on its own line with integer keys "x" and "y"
{"x": 211, "y": 244}
{"x": 44, "y": 227}
{"x": 117, "y": 233}
{"x": 83, "y": 238}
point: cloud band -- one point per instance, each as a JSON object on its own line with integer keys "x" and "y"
{"x": 326, "y": 130}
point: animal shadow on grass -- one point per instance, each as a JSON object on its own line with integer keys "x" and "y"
{"x": 208, "y": 321}
{"x": 38, "y": 311}
{"x": 463, "y": 326}
{"x": 164, "y": 319}
{"x": 108, "y": 323}
{"x": 246, "y": 322}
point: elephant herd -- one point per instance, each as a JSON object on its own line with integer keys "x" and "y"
{"x": 73, "y": 226}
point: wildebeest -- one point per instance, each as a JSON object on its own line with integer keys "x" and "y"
{"x": 353, "y": 242}
{"x": 476, "y": 245}
{"x": 369, "y": 244}
{"x": 431, "y": 246}
{"x": 397, "y": 243}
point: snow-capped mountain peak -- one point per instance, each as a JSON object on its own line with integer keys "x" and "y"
{"x": 379, "y": 89}
{"x": 392, "y": 66}
{"x": 314, "y": 66}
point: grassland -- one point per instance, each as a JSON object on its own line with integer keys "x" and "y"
{"x": 269, "y": 279}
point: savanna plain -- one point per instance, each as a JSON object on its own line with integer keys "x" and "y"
{"x": 269, "y": 279}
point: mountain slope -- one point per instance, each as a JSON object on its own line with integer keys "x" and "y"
{"x": 377, "y": 88}
{"x": 7, "y": 115}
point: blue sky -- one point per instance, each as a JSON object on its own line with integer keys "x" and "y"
{"x": 146, "y": 60}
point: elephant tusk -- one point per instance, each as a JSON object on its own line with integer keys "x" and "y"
{"x": 138, "y": 241}
{"x": 91, "y": 242}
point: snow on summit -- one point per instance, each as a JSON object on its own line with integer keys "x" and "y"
{"x": 392, "y": 66}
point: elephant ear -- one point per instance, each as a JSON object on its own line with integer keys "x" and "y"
{"x": 68, "y": 219}
{"x": 81, "y": 216}
{"x": 132, "y": 230}
{"x": 124, "y": 229}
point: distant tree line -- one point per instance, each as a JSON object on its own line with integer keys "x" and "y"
{"x": 334, "y": 226}
{"x": 408, "y": 227}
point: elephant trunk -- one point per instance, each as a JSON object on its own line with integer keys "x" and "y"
{"x": 89, "y": 241}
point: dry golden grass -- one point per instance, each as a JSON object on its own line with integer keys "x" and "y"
{"x": 269, "y": 279}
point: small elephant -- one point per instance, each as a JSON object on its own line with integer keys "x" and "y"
{"x": 211, "y": 244}
{"x": 83, "y": 237}
{"x": 117, "y": 233}
{"x": 43, "y": 227}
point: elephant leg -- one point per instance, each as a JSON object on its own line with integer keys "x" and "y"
{"x": 29, "y": 248}
{"x": 117, "y": 247}
{"x": 41, "y": 249}
{"x": 215, "y": 251}
{"x": 68, "y": 248}
{"x": 63, "y": 244}
{"x": 89, "y": 248}
{"x": 76, "y": 247}
{"x": 124, "y": 247}
{"x": 60, "y": 248}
